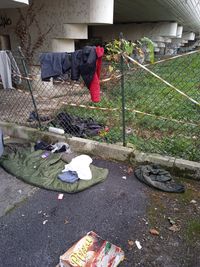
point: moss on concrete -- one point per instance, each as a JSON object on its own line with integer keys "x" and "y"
{"x": 16, "y": 205}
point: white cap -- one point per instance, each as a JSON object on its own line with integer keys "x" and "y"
{"x": 81, "y": 165}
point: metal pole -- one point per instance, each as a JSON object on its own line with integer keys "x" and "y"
{"x": 122, "y": 93}
{"x": 29, "y": 85}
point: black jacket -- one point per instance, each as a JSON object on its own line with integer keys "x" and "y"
{"x": 83, "y": 63}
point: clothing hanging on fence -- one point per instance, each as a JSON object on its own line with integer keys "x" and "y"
{"x": 95, "y": 84}
{"x": 9, "y": 70}
{"x": 54, "y": 65}
{"x": 5, "y": 70}
{"x": 16, "y": 74}
{"x": 85, "y": 63}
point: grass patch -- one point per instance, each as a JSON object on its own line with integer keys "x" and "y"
{"x": 147, "y": 94}
{"x": 192, "y": 231}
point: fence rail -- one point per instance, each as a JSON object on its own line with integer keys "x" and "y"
{"x": 158, "y": 111}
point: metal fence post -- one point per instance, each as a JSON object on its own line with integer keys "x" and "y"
{"x": 29, "y": 85}
{"x": 122, "y": 92}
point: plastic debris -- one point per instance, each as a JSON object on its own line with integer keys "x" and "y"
{"x": 138, "y": 244}
{"x": 20, "y": 191}
{"x": 6, "y": 138}
{"x": 44, "y": 222}
{"x": 92, "y": 250}
{"x": 193, "y": 201}
{"x": 45, "y": 155}
{"x": 56, "y": 130}
{"x": 60, "y": 196}
{"x": 171, "y": 221}
{"x": 66, "y": 221}
{"x": 146, "y": 222}
{"x": 124, "y": 177}
{"x": 129, "y": 131}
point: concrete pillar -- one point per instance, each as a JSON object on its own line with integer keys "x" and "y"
{"x": 101, "y": 11}
{"x": 134, "y": 31}
{"x": 167, "y": 29}
{"x": 63, "y": 45}
{"x": 90, "y": 11}
{"x": 190, "y": 36}
{"x": 161, "y": 45}
{"x": 75, "y": 31}
{"x": 179, "y": 32}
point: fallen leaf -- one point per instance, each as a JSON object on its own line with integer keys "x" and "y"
{"x": 130, "y": 170}
{"x": 130, "y": 242}
{"x": 110, "y": 68}
{"x": 154, "y": 232}
{"x": 66, "y": 221}
{"x": 174, "y": 228}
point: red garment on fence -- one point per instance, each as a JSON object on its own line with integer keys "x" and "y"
{"x": 95, "y": 84}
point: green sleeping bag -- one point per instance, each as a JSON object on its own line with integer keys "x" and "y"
{"x": 30, "y": 167}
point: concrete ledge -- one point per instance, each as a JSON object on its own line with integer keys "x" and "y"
{"x": 31, "y": 134}
{"x": 141, "y": 157}
{"x": 115, "y": 152}
{"x": 187, "y": 168}
{"x": 104, "y": 150}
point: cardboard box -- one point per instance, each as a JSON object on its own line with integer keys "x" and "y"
{"x": 92, "y": 251}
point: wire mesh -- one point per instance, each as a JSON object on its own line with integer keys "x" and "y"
{"x": 168, "y": 122}
{"x": 157, "y": 118}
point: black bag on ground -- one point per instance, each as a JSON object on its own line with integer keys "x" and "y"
{"x": 159, "y": 178}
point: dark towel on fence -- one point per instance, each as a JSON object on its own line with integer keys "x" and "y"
{"x": 156, "y": 177}
{"x": 54, "y": 65}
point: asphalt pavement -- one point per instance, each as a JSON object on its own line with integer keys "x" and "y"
{"x": 37, "y": 231}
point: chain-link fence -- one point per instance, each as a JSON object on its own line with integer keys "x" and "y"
{"x": 160, "y": 116}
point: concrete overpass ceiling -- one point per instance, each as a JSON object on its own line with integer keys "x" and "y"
{"x": 185, "y": 12}
{"x": 13, "y": 3}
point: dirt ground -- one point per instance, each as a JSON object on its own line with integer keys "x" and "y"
{"x": 176, "y": 219}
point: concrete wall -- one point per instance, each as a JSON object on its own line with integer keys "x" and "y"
{"x": 55, "y": 15}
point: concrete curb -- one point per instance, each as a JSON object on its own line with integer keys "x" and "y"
{"x": 180, "y": 167}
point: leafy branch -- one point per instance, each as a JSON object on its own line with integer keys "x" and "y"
{"x": 140, "y": 48}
